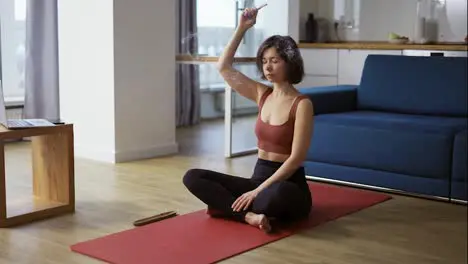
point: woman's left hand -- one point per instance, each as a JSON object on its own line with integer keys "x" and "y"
{"x": 244, "y": 201}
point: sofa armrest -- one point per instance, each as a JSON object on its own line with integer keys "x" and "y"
{"x": 332, "y": 99}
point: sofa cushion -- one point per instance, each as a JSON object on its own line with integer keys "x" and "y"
{"x": 399, "y": 143}
{"x": 414, "y": 85}
{"x": 332, "y": 99}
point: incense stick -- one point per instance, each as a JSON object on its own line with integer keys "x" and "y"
{"x": 262, "y": 6}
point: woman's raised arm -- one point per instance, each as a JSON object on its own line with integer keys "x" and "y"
{"x": 242, "y": 84}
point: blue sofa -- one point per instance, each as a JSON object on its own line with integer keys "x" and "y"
{"x": 404, "y": 127}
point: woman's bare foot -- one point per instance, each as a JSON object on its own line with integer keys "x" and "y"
{"x": 258, "y": 220}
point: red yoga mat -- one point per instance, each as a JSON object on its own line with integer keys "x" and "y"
{"x": 197, "y": 238}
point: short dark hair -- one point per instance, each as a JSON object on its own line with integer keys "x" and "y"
{"x": 288, "y": 50}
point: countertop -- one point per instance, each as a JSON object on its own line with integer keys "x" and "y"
{"x": 187, "y": 58}
{"x": 385, "y": 46}
{"x": 199, "y": 59}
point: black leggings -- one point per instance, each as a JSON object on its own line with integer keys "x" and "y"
{"x": 286, "y": 200}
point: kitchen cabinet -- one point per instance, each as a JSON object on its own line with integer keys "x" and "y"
{"x": 321, "y": 62}
{"x": 351, "y": 63}
{"x": 341, "y": 66}
{"x": 317, "y": 81}
{"x": 320, "y": 67}
{"x": 443, "y": 53}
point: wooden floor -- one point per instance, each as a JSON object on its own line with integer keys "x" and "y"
{"x": 110, "y": 197}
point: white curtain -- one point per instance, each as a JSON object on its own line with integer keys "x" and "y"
{"x": 41, "y": 72}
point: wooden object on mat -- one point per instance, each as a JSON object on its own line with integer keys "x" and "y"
{"x": 154, "y": 218}
{"x": 53, "y": 180}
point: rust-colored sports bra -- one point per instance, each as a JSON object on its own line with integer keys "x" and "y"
{"x": 276, "y": 138}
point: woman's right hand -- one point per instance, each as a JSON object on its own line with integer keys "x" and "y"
{"x": 248, "y": 18}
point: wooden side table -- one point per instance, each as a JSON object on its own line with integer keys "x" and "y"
{"x": 53, "y": 180}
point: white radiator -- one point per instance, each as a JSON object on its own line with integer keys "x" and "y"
{"x": 212, "y": 105}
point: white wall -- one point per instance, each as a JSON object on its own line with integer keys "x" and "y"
{"x": 117, "y": 78}
{"x": 275, "y": 17}
{"x": 399, "y": 16}
{"x": 294, "y": 17}
{"x": 86, "y": 65}
{"x": 456, "y": 27}
{"x": 379, "y": 17}
{"x": 144, "y": 77}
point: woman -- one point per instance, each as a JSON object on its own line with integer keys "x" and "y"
{"x": 278, "y": 188}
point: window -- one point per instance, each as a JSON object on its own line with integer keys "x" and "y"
{"x": 12, "y": 48}
{"x": 216, "y": 13}
{"x": 216, "y": 21}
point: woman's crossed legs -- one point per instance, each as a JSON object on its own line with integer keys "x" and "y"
{"x": 281, "y": 200}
